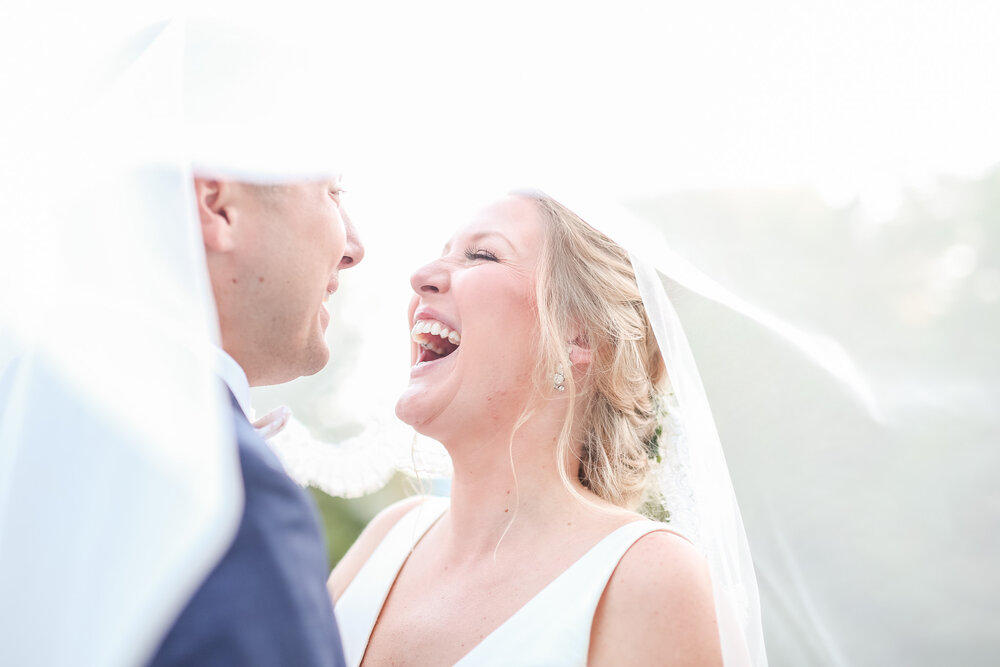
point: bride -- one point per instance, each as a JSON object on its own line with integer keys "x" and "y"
{"x": 535, "y": 364}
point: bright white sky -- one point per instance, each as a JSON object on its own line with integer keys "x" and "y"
{"x": 855, "y": 98}
{"x": 639, "y": 97}
{"x": 654, "y": 96}
{"x": 852, "y": 97}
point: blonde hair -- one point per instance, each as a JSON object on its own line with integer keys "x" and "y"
{"x": 586, "y": 286}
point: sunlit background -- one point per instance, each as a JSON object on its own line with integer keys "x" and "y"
{"x": 836, "y": 164}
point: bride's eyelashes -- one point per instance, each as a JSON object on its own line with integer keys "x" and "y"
{"x": 472, "y": 253}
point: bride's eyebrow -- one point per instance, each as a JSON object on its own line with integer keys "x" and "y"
{"x": 478, "y": 237}
{"x": 482, "y": 235}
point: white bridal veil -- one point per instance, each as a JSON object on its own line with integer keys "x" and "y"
{"x": 119, "y": 487}
{"x": 856, "y": 412}
{"x": 119, "y": 476}
{"x": 692, "y": 481}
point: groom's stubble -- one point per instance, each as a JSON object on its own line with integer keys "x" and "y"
{"x": 274, "y": 255}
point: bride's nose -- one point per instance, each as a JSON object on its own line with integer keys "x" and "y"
{"x": 431, "y": 278}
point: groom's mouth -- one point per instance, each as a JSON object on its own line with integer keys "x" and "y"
{"x": 434, "y": 340}
{"x": 330, "y": 289}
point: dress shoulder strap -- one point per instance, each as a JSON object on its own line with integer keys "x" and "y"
{"x": 359, "y": 606}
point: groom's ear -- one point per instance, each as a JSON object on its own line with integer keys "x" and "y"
{"x": 214, "y": 199}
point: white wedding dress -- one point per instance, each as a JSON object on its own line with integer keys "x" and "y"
{"x": 552, "y": 629}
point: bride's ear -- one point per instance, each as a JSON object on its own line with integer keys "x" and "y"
{"x": 579, "y": 352}
{"x": 213, "y": 199}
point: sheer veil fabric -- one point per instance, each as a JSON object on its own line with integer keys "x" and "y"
{"x": 692, "y": 481}
{"x": 111, "y": 510}
{"x": 844, "y": 471}
{"x": 119, "y": 476}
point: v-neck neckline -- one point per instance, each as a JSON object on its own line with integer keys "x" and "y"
{"x": 534, "y": 599}
{"x": 510, "y": 620}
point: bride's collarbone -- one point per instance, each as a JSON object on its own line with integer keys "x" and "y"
{"x": 451, "y": 578}
{"x": 436, "y": 618}
{"x": 445, "y": 602}
{"x": 525, "y": 556}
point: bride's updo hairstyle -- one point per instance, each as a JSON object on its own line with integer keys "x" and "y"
{"x": 586, "y": 287}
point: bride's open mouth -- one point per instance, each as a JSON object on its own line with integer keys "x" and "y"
{"x": 434, "y": 340}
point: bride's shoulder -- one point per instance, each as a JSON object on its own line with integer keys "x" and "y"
{"x": 661, "y": 557}
{"x": 658, "y": 602}
{"x": 663, "y": 553}
{"x": 365, "y": 545}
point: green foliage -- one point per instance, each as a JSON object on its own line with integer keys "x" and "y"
{"x": 343, "y": 519}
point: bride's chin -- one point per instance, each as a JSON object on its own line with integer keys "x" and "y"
{"x": 401, "y": 414}
{"x": 413, "y": 409}
{"x": 406, "y": 410}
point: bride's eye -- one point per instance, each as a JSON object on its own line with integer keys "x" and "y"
{"x": 473, "y": 254}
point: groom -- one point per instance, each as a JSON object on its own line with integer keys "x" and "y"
{"x": 274, "y": 255}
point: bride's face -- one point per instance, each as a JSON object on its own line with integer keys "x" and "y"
{"x": 472, "y": 370}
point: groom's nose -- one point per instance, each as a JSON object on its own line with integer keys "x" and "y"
{"x": 354, "y": 250}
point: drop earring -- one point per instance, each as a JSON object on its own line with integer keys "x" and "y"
{"x": 559, "y": 379}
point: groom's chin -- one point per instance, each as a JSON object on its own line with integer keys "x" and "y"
{"x": 309, "y": 361}
{"x": 318, "y": 359}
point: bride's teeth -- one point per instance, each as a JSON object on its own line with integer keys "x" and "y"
{"x": 433, "y": 348}
{"x": 434, "y": 328}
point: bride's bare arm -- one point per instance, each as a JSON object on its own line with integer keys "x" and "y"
{"x": 657, "y": 608}
{"x": 363, "y": 547}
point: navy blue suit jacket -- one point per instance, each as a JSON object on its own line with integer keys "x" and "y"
{"x": 266, "y": 602}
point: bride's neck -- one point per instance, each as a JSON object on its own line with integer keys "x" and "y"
{"x": 497, "y": 479}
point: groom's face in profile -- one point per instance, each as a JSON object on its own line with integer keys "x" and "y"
{"x": 274, "y": 256}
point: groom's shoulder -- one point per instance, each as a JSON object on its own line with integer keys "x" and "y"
{"x": 260, "y": 465}
{"x": 276, "y": 510}
{"x": 265, "y": 602}
{"x": 280, "y": 520}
